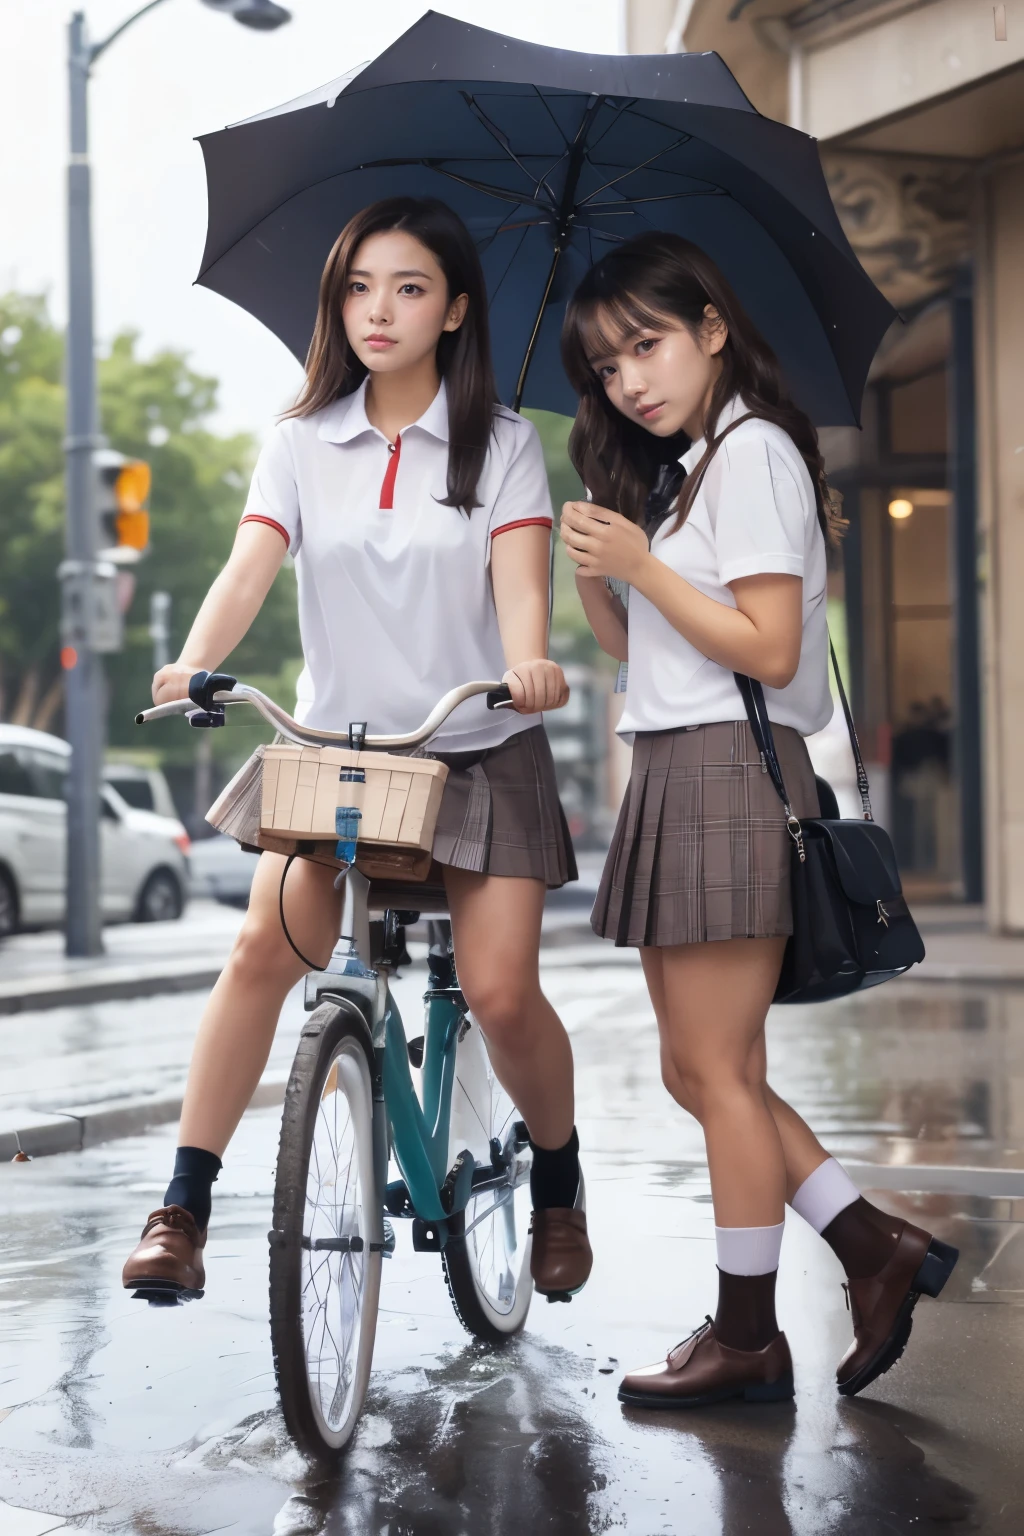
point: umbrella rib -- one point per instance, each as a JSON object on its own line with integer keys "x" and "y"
{"x": 557, "y": 125}
{"x": 519, "y": 198}
{"x": 684, "y": 139}
{"x": 501, "y": 139}
{"x": 618, "y": 112}
{"x": 508, "y": 267}
{"x": 662, "y": 197}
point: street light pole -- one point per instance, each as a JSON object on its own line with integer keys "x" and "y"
{"x": 86, "y": 583}
{"x": 83, "y": 678}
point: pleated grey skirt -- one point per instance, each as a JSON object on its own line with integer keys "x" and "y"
{"x": 501, "y": 815}
{"x": 700, "y": 850}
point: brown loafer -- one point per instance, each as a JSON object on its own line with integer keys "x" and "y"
{"x": 883, "y": 1305}
{"x": 700, "y": 1371}
{"x": 561, "y": 1257}
{"x": 168, "y": 1260}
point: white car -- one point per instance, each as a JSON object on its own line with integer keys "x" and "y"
{"x": 144, "y": 866}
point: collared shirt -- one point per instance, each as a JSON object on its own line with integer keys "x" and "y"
{"x": 395, "y": 598}
{"x": 753, "y": 515}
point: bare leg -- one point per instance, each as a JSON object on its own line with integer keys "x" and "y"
{"x": 240, "y": 1019}
{"x": 802, "y": 1150}
{"x": 716, "y": 997}
{"x": 496, "y": 929}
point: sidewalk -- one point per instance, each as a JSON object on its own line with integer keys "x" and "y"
{"x": 83, "y": 1064}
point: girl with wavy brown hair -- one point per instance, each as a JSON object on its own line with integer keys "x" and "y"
{"x": 417, "y": 510}
{"x": 710, "y": 504}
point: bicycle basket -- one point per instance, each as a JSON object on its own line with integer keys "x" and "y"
{"x": 285, "y": 799}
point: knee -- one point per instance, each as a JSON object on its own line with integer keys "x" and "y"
{"x": 701, "y": 1086}
{"x": 505, "y": 1010}
{"x": 262, "y": 953}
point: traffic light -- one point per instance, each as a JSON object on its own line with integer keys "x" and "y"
{"x": 122, "y": 491}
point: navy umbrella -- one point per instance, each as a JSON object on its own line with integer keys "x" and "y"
{"x": 551, "y": 158}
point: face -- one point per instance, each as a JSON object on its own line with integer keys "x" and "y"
{"x": 662, "y": 377}
{"x": 397, "y": 304}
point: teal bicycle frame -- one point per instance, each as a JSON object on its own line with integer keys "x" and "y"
{"x": 418, "y": 1134}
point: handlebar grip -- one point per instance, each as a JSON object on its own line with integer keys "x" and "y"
{"x": 203, "y": 685}
{"x": 499, "y": 698}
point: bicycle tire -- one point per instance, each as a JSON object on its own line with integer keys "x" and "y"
{"x": 328, "y": 1103}
{"x": 487, "y": 1271}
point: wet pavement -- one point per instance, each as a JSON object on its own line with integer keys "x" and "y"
{"x": 118, "y": 1417}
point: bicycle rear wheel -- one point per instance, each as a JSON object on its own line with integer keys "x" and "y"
{"x": 487, "y": 1258}
{"x": 326, "y": 1244}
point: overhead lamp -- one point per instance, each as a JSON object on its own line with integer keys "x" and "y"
{"x": 261, "y": 15}
{"x": 900, "y": 508}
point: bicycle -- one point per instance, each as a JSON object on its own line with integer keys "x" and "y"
{"x": 351, "y": 1105}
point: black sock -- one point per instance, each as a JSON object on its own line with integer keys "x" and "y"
{"x": 863, "y": 1238}
{"x": 555, "y": 1175}
{"x": 746, "y": 1310}
{"x": 192, "y": 1184}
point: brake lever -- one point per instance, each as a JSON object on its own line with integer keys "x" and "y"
{"x": 500, "y": 698}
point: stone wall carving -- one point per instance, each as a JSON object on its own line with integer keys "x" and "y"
{"x": 907, "y": 219}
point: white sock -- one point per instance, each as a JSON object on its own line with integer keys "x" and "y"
{"x": 749, "y": 1250}
{"x": 827, "y": 1191}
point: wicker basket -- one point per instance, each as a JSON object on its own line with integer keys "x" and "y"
{"x": 285, "y": 799}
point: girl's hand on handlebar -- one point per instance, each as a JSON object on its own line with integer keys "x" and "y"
{"x": 536, "y": 685}
{"x": 171, "y": 682}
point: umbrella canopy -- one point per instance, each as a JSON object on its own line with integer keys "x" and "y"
{"x": 551, "y": 158}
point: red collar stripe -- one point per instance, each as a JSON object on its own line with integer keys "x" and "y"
{"x": 387, "y": 488}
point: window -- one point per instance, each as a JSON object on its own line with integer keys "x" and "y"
{"x": 137, "y": 793}
{"x": 14, "y": 775}
{"x": 49, "y": 774}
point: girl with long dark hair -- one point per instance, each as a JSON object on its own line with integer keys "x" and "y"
{"x": 417, "y": 510}
{"x": 726, "y": 575}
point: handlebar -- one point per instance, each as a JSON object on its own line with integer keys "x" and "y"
{"x": 498, "y": 697}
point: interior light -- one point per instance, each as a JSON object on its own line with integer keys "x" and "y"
{"x": 900, "y": 508}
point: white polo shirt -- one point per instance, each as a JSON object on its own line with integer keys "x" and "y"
{"x": 395, "y": 598}
{"x": 753, "y": 515}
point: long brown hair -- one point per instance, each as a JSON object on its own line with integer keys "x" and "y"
{"x": 463, "y": 357}
{"x": 633, "y": 288}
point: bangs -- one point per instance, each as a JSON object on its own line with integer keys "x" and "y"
{"x": 605, "y": 324}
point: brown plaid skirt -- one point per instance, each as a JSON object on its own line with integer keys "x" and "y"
{"x": 700, "y": 850}
{"x": 501, "y": 814}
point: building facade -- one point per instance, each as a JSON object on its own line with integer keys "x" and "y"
{"x": 918, "y": 106}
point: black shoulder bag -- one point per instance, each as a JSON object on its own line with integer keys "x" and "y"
{"x": 852, "y": 927}
{"x": 851, "y": 924}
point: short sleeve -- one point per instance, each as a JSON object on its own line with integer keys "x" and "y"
{"x": 274, "y": 494}
{"x": 761, "y": 512}
{"x": 523, "y": 499}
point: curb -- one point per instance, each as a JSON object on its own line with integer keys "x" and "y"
{"x": 103, "y": 986}
{"x": 74, "y": 1130}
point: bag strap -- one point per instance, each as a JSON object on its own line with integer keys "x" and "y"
{"x": 753, "y": 694}
{"x": 863, "y": 787}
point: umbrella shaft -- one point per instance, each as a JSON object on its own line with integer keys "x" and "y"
{"x": 528, "y": 358}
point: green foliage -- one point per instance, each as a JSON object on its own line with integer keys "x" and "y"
{"x": 571, "y": 635}
{"x": 151, "y": 408}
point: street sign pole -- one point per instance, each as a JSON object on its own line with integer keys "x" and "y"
{"x": 83, "y": 676}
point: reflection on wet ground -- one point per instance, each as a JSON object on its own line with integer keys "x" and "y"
{"x": 118, "y": 1417}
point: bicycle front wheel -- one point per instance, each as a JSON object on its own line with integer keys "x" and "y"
{"x": 487, "y": 1258}
{"x": 326, "y": 1245}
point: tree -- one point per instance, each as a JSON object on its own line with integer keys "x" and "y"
{"x": 158, "y": 409}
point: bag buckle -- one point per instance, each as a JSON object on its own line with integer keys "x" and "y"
{"x": 883, "y": 916}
